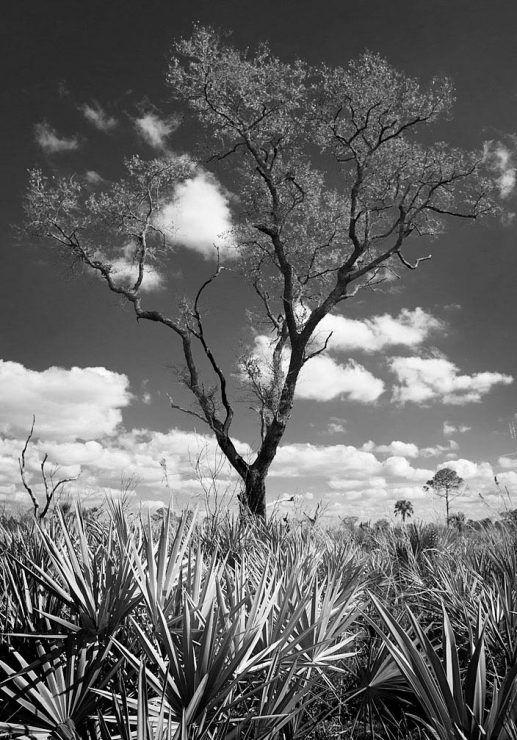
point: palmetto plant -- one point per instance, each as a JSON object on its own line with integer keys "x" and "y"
{"x": 51, "y": 697}
{"x": 246, "y": 647}
{"x": 93, "y": 581}
{"x": 455, "y": 704}
{"x": 123, "y": 629}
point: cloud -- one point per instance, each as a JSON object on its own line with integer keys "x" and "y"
{"x": 409, "y": 449}
{"x": 449, "y": 428}
{"x": 93, "y": 177}
{"x": 51, "y": 142}
{"x": 125, "y": 272}
{"x": 301, "y": 459}
{"x": 469, "y": 470}
{"x": 399, "y": 467}
{"x": 507, "y": 462}
{"x": 199, "y": 216}
{"x": 155, "y": 130}
{"x": 98, "y": 117}
{"x": 410, "y": 328}
{"x": 336, "y": 425}
{"x": 500, "y": 160}
{"x": 68, "y": 404}
{"x": 406, "y": 449}
{"x": 423, "y": 380}
{"x": 323, "y": 379}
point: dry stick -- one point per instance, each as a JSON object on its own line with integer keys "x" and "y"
{"x": 50, "y": 488}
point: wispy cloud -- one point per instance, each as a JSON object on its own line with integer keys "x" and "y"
{"x": 51, "y": 142}
{"x": 155, "y": 130}
{"x": 125, "y": 272}
{"x": 424, "y": 380}
{"x": 93, "y": 177}
{"x": 501, "y": 161}
{"x": 449, "y": 428}
{"x": 98, "y": 117}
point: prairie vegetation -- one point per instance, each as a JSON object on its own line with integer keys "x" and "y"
{"x": 114, "y": 627}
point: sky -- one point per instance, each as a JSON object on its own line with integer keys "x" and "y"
{"x": 420, "y": 376}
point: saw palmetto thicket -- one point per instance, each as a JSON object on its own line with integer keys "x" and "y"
{"x": 118, "y": 627}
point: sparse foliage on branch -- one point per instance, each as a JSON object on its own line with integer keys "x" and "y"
{"x": 335, "y": 192}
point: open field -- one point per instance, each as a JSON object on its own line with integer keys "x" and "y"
{"x": 114, "y": 627}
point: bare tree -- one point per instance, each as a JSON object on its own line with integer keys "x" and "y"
{"x": 446, "y": 484}
{"x": 334, "y": 192}
{"x": 51, "y": 487}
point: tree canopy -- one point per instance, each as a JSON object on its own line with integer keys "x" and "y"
{"x": 446, "y": 484}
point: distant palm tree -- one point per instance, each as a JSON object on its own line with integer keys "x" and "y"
{"x": 404, "y": 508}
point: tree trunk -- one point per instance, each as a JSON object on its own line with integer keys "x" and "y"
{"x": 253, "y": 498}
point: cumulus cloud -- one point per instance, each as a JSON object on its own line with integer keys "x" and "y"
{"x": 468, "y": 470}
{"x": 68, "y": 404}
{"x": 507, "y": 462}
{"x": 155, "y": 130}
{"x": 299, "y": 460}
{"x": 199, "y": 216}
{"x": 51, "y": 142}
{"x": 400, "y": 467}
{"x": 322, "y": 378}
{"x": 423, "y": 380}
{"x": 98, "y": 117}
{"x": 406, "y": 449}
{"x": 501, "y": 161}
{"x": 410, "y": 328}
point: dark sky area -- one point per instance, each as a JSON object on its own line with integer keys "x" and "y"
{"x": 358, "y": 457}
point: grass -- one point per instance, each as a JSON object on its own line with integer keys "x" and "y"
{"x": 116, "y": 627}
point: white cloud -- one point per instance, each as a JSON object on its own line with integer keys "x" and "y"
{"x": 507, "y": 462}
{"x": 350, "y": 484}
{"x": 409, "y": 328}
{"x": 336, "y": 425}
{"x": 51, "y": 142}
{"x": 68, "y": 404}
{"x": 500, "y": 160}
{"x": 469, "y": 470}
{"x": 155, "y": 130}
{"x": 323, "y": 379}
{"x": 93, "y": 177}
{"x": 399, "y": 467}
{"x": 298, "y": 460}
{"x": 449, "y": 428}
{"x": 125, "y": 272}
{"x": 199, "y": 216}
{"x": 98, "y": 117}
{"x": 423, "y": 380}
{"x": 406, "y": 449}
